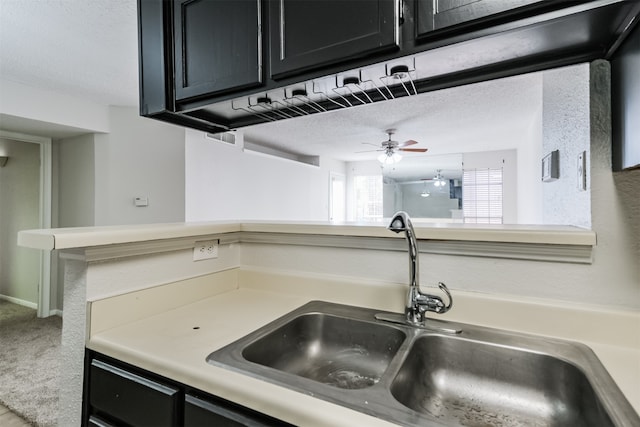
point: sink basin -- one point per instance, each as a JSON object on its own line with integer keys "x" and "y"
{"x": 336, "y": 351}
{"x": 429, "y": 377}
{"x": 472, "y": 383}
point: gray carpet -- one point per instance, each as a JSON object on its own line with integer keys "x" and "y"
{"x": 29, "y": 363}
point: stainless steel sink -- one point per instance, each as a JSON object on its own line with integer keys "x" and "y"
{"x": 411, "y": 376}
{"x": 467, "y": 382}
{"x": 336, "y": 351}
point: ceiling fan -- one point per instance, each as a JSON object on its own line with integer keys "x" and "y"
{"x": 390, "y": 148}
{"x": 438, "y": 180}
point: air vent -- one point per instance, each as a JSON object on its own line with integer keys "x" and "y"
{"x": 226, "y": 137}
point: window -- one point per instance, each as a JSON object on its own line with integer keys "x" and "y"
{"x": 336, "y": 197}
{"x": 482, "y": 196}
{"x": 368, "y": 198}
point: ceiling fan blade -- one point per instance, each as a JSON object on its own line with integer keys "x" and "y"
{"x": 414, "y": 150}
{"x": 367, "y": 151}
{"x": 406, "y": 143}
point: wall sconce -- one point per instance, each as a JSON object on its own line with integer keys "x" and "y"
{"x": 3, "y": 161}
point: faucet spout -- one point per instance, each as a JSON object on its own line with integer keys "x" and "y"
{"x": 417, "y": 303}
{"x": 402, "y": 223}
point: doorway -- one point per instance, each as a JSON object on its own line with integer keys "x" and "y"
{"x": 44, "y": 212}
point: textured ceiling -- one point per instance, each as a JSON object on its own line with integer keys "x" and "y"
{"x": 85, "y": 48}
{"x": 88, "y": 49}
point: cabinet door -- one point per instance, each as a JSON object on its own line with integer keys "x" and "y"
{"x": 437, "y": 14}
{"x": 129, "y": 398}
{"x": 217, "y": 46}
{"x": 219, "y": 413}
{"x": 308, "y": 34}
{"x": 625, "y": 103}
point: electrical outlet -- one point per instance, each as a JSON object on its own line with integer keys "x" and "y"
{"x": 205, "y": 250}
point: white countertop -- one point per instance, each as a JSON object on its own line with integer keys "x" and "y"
{"x": 168, "y": 344}
{"x": 82, "y": 237}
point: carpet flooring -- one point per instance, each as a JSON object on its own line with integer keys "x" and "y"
{"x": 29, "y": 363}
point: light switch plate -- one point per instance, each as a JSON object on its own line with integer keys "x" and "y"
{"x": 582, "y": 171}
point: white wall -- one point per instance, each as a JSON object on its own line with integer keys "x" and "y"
{"x": 46, "y": 106}
{"x": 75, "y": 170}
{"x": 139, "y": 157}
{"x": 437, "y": 205}
{"x": 19, "y": 210}
{"x": 529, "y": 187}
{"x": 566, "y": 127}
{"x": 224, "y": 182}
{"x": 96, "y": 176}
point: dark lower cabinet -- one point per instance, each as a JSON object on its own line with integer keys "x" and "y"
{"x": 203, "y": 412}
{"x": 118, "y": 394}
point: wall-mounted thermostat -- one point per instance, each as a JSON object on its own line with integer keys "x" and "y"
{"x": 551, "y": 166}
{"x": 141, "y": 202}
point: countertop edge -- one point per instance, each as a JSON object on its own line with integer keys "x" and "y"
{"x": 84, "y": 237}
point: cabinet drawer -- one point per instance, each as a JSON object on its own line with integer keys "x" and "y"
{"x": 130, "y": 398}
{"x": 219, "y": 413}
{"x": 97, "y": 422}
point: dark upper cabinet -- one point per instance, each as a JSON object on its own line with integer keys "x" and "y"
{"x": 217, "y": 46}
{"x": 215, "y": 65}
{"x": 444, "y": 14}
{"x": 309, "y": 34}
{"x": 625, "y": 103}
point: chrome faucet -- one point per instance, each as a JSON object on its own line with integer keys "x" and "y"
{"x": 417, "y": 303}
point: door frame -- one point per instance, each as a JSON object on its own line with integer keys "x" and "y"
{"x": 44, "y": 288}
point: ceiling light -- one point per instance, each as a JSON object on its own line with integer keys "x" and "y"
{"x": 425, "y": 193}
{"x": 389, "y": 158}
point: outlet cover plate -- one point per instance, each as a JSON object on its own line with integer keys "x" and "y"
{"x": 205, "y": 250}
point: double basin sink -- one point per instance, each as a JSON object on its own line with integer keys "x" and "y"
{"x": 448, "y": 375}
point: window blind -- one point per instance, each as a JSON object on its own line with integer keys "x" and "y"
{"x": 482, "y": 196}
{"x": 368, "y": 198}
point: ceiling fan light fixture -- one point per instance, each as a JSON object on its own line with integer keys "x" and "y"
{"x": 389, "y": 158}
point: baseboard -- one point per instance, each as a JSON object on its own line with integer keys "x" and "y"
{"x": 19, "y": 301}
{"x": 56, "y": 312}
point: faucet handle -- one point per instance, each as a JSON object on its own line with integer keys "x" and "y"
{"x": 434, "y": 303}
{"x": 444, "y": 289}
